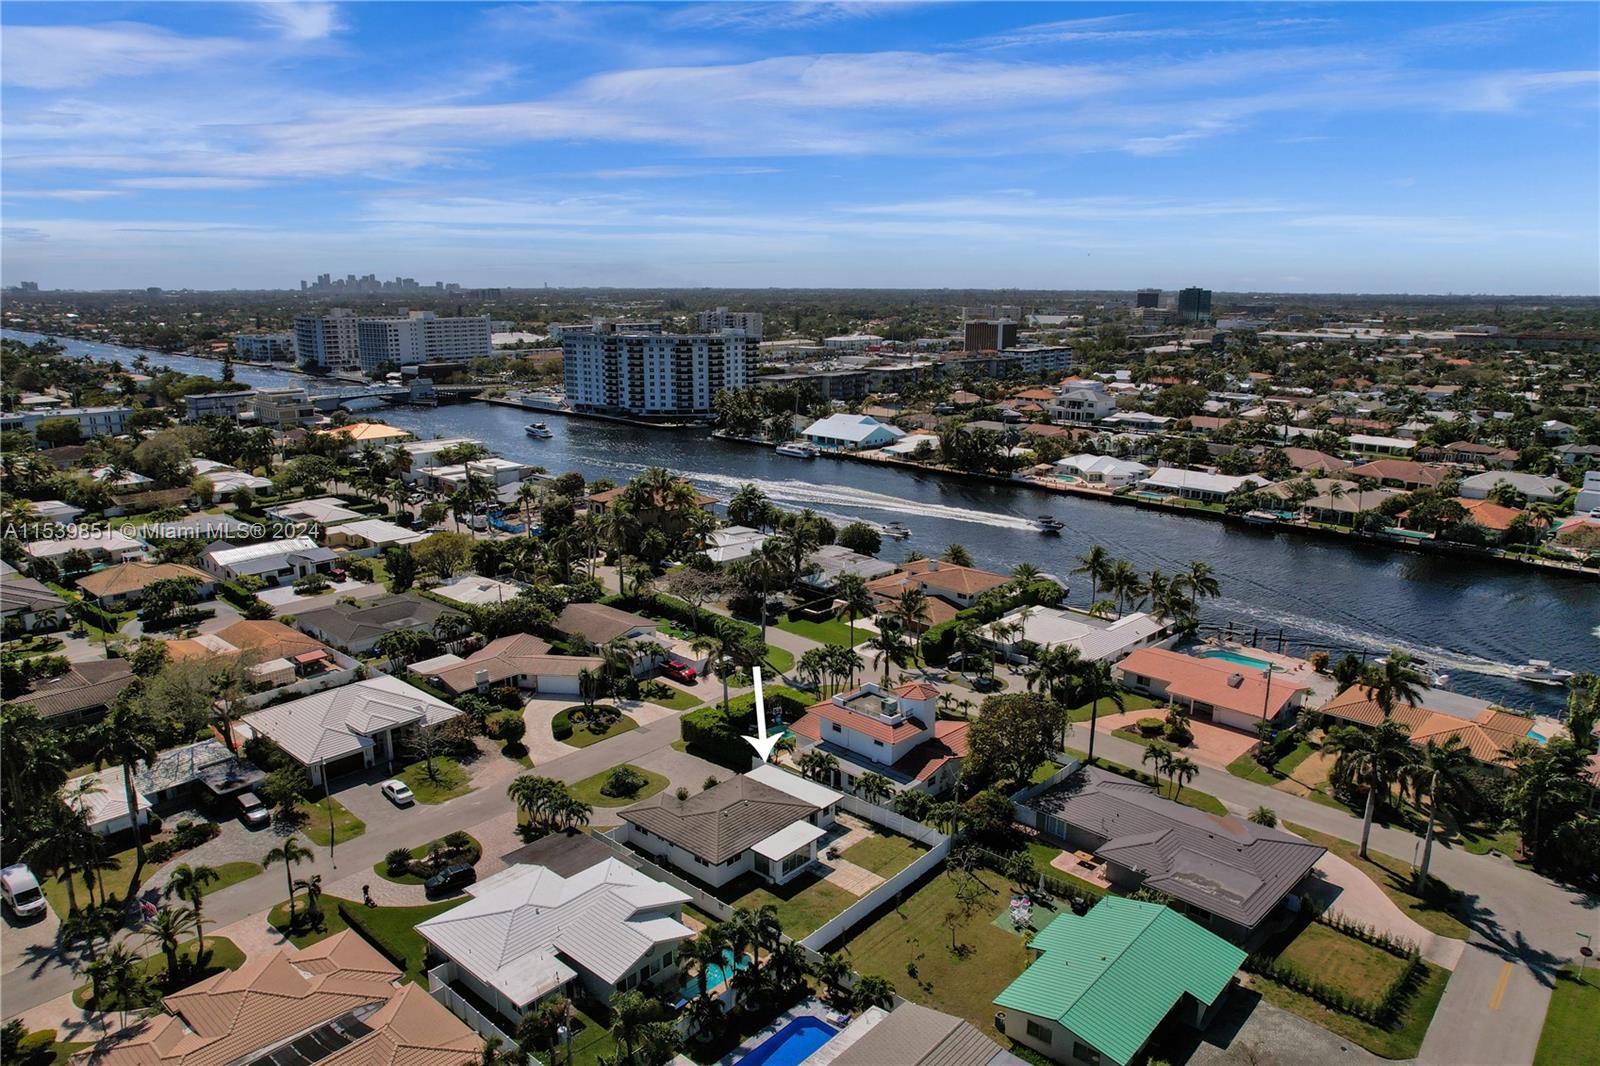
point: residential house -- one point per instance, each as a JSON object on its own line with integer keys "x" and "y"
{"x": 914, "y": 1035}
{"x": 357, "y": 434}
{"x": 225, "y": 479}
{"x": 1372, "y": 444}
{"x": 1311, "y": 461}
{"x": 499, "y": 472}
{"x": 1226, "y": 873}
{"x": 733, "y": 543}
{"x": 1487, "y": 731}
{"x": 1588, "y": 498}
{"x": 1104, "y": 470}
{"x": 473, "y": 590}
{"x": 351, "y": 728}
{"x": 894, "y": 733}
{"x": 1081, "y": 402}
{"x": 1216, "y": 690}
{"x": 738, "y": 826}
{"x": 1137, "y": 422}
{"x": 117, "y": 587}
{"x": 53, "y": 511}
{"x": 1197, "y": 484}
{"x": 1471, "y": 453}
{"x": 29, "y": 606}
{"x": 368, "y": 537}
{"x": 282, "y": 408}
{"x": 277, "y": 655}
{"x": 1337, "y": 501}
{"x": 1401, "y": 473}
{"x": 324, "y": 511}
{"x": 1537, "y": 488}
{"x": 1101, "y": 983}
{"x": 274, "y": 562}
{"x": 1495, "y": 519}
{"x": 1555, "y": 431}
{"x": 80, "y": 695}
{"x": 114, "y": 479}
{"x": 337, "y": 1002}
{"x": 170, "y": 782}
{"x": 948, "y": 587}
{"x": 150, "y": 500}
{"x": 103, "y": 546}
{"x": 913, "y": 443}
{"x": 529, "y": 933}
{"x": 1577, "y": 453}
{"x": 831, "y": 561}
{"x": 357, "y": 627}
{"x": 520, "y": 659}
{"x": 424, "y": 453}
{"x": 597, "y": 624}
{"x": 1096, "y": 639}
{"x": 847, "y": 432}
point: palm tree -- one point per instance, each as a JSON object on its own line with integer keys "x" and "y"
{"x": 1097, "y": 564}
{"x": 1096, "y": 682}
{"x": 1370, "y": 759}
{"x": 766, "y": 929}
{"x": 115, "y": 976}
{"x": 1158, "y": 757}
{"x": 832, "y": 971}
{"x": 496, "y": 1052}
{"x": 787, "y": 965}
{"x": 167, "y": 928}
{"x": 1443, "y": 772}
{"x": 312, "y": 887}
{"x": 855, "y": 599}
{"x": 1393, "y": 682}
{"x": 873, "y": 991}
{"x": 1180, "y": 771}
{"x": 1124, "y": 583}
{"x": 188, "y": 883}
{"x": 128, "y": 736}
{"x": 889, "y": 645}
{"x": 291, "y": 854}
{"x": 874, "y": 787}
{"x": 818, "y": 765}
{"x": 631, "y": 1014}
{"x": 912, "y": 609}
{"x": 956, "y": 555}
{"x": 1025, "y": 573}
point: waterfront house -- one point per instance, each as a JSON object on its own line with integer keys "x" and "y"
{"x": 275, "y": 562}
{"x": 732, "y": 543}
{"x": 1197, "y": 484}
{"x": 29, "y": 606}
{"x": 957, "y": 586}
{"x": 351, "y": 728}
{"x": 103, "y": 546}
{"x": 1225, "y": 691}
{"x": 1401, "y": 473}
{"x": 337, "y": 1002}
{"x": 1017, "y": 634}
{"x": 739, "y": 826}
{"x": 425, "y": 453}
{"x": 501, "y": 472}
{"x": 1495, "y": 520}
{"x": 1487, "y": 731}
{"x": 357, "y": 627}
{"x": 1226, "y": 873}
{"x": 1081, "y": 402}
{"x": 1337, "y": 501}
{"x": 1536, "y": 488}
{"x": 122, "y": 585}
{"x": 847, "y": 432}
{"x": 829, "y": 562}
{"x": 1101, "y": 983}
{"x": 519, "y": 659}
{"x": 80, "y": 695}
{"x": 1104, "y": 470}
{"x": 894, "y": 733}
{"x": 357, "y": 434}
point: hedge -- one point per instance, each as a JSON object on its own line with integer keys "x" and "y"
{"x": 719, "y": 736}
{"x": 939, "y": 641}
{"x": 236, "y": 594}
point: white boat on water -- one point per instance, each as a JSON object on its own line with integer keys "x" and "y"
{"x": 896, "y": 530}
{"x": 539, "y": 430}
{"x": 1429, "y": 674}
{"x": 1261, "y": 518}
{"x": 1541, "y": 672}
{"x": 797, "y": 449}
{"x": 1048, "y": 524}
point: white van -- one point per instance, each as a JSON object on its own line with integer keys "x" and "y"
{"x": 20, "y": 890}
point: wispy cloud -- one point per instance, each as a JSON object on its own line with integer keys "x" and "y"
{"x": 297, "y": 21}
{"x": 80, "y": 195}
{"x": 762, "y": 17}
{"x": 64, "y": 57}
{"x": 680, "y": 171}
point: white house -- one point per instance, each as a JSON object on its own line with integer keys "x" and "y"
{"x": 347, "y": 729}
{"x": 104, "y": 802}
{"x": 103, "y": 546}
{"x": 1094, "y": 638}
{"x": 896, "y": 734}
{"x": 55, "y": 511}
{"x": 1081, "y": 403}
{"x": 500, "y": 472}
{"x": 1588, "y": 498}
{"x": 846, "y": 432}
{"x": 424, "y": 452}
{"x": 911, "y": 444}
{"x": 324, "y": 510}
{"x": 369, "y": 537}
{"x": 732, "y": 543}
{"x": 528, "y": 933}
{"x": 1536, "y": 487}
{"x": 1137, "y": 421}
{"x": 739, "y": 826}
{"x": 126, "y": 479}
{"x": 226, "y": 479}
{"x": 273, "y": 561}
{"x": 1104, "y": 470}
{"x": 474, "y": 590}
{"x": 1197, "y": 484}
{"x": 519, "y": 659}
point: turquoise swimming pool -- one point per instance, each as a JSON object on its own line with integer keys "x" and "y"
{"x": 718, "y": 973}
{"x": 1237, "y": 659}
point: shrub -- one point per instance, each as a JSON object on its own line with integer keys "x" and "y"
{"x": 1319, "y": 661}
{"x": 398, "y": 861}
{"x": 719, "y": 736}
{"x": 938, "y": 642}
{"x": 682, "y": 793}
{"x": 511, "y": 730}
{"x": 191, "y": 834}
{"x": 624, "y": 781}
{"x": 160, "y": 851}
{"x": 1264, "y": 815}
{"x": 1150, "y": 727}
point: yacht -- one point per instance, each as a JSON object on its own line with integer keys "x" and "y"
{"x": 1540, "y": 672}
{"x": 896, "y": 530}
{"x": 1049, "y": 525}
{"x": 1261, "y": 518}
{"x": 797, "y": 449}
{"x": 539, "y": 430}
{"x": 1428, "y": 673}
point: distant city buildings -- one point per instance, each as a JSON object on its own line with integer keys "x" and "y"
{"x": 747, "y": 322}
{"x": 612, "y": 370}
{"x": 92, "y": 421}
{"x": 1147, "y": 298}
{"x": 1194, "y": 305}
{"x": 370, "y": 283}
{"x": 421, "y": 337}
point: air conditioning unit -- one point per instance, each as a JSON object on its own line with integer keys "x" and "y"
{"x": 1235, "y": 680}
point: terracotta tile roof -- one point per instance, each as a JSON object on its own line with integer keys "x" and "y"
{"x": 1402, "y": 470}
{"x": 921, "y": 762}
{"x": 601, "y": 499}
{"x": 1491, "y": 515}
{"x": 1488, "y": 735}
{"x": 1212, "y": 681}
{"x": 1311, "y": 459}
{"x": 1035, "y": 394}
{"x": 866, "y": 725}
{"x": 1039, "y": 429}
{"x": 917, "y": 690}
{"x": 365, "y": 431}
{"x": 266, "y": 639}
{"x": 961, "y": 580}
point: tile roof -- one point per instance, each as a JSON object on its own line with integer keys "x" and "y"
{"x": 356, "y": 623}
{"x": 84, "y": 687}
{"x": 1488, "y": 735}
{"x": 1402, "y": 470}
{"x": 328, "y": 725}
{"x": 19, "y": 594}
{"x": 1213, "y": 681}
{"x": 962, "y": 580}
{"x": 266, "y": 639}
{"x": 914, "y": 1035}
{"x": 598, "y": 623}
{"x": 365, "y": 431}
{"x": 1112, "y": 975}
{"x": 511, "y": 656}
{"x": 1491, "y": 515}
{"x": 129, "y": 577}
{"x": 723, "y": 821}
{"x": 1226, "y": 865}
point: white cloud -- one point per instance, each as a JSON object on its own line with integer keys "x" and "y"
{"x": 296, "y": 21}
{"x": 677, "y": 171}
{"x": 761, "y": 17}
{"x": 62, "y": 194}
{"x": 190, "y": 181}
{"x": 63, "y": 57}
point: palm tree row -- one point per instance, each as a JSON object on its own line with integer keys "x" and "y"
{"x": 1170, "y": 597}
{"x": 833, "y": 665}
{"x": 548, "y": 804}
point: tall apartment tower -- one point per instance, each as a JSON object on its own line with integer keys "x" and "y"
{"x": 1147, "y": 298}
{"x": 421, "y": 337}
{"x": 1194, "y": 305}
{"x": 722, "y": 318}
{"x": 652, "y": 375}
{"x": 326, "y": 341}
{"x": 989, "y": 334}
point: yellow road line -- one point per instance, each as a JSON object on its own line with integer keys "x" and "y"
{"x": 1500, "y": 987}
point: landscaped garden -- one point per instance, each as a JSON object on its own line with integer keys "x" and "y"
{"x": 414, "y": 866}
{"x": 151, "y": 978}
{"x": 582, "y": 726}
{"x": 618, "y": 786}
{"x": 448, "y": 780}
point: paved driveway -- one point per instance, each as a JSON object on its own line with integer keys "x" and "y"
{"x": 1214, "y": 745}
{"x": 1249, "y": 1031}
{"x": 1347, "y": 890}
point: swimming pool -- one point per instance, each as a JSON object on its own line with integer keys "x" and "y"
{"x": 1237, "y": 659}
{"x": 717, "y": 974}
{"x": 792, "y": 1044}
{"x": 1537, "y": 738}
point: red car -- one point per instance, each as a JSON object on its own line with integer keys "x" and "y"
{"x": 679, "y": 671}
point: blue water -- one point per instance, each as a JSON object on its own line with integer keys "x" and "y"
{"x": 1237, "y": 659}
{"x": 719, "y": 972}
{"x": 1537, "y": 738}
{"x": 792, "y": 1044}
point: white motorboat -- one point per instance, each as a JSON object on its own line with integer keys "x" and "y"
{"x": 539, "y": 430}
{"x": 896, "y": 530}
{"x": 1049, "y": 524}
{"x": 1541, "y": 672}
{"x": 1428, "y": 673}
{"x": 797, "y": 449}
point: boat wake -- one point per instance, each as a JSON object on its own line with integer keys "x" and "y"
{"x": 817, "y": 497}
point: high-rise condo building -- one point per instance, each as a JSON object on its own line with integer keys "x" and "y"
{"x": 421, "y": 337}
{"x": 652, "y": 375}
{"x": 1194, "y": 305}
{"x": 1147, "y": 298}
{"x": 722, "y": 318}
{"x": 326, "y": 341}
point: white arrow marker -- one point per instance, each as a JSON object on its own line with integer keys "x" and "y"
{"x": 763, "y": 743}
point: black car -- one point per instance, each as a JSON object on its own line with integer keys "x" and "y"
{"x": 450, "y": 879}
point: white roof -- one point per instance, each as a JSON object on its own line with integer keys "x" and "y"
{"x": 733, "y": 543}
{"x": 338, "y": 722}
{"x": 324, "y": 509}
{"x": 1168, "y": 477}
{"x": 492, "y": 462}
{"x": 1103, "y": 464}
{"x": 1367, "y": 440}
{"x": 55, "y": 509}
{"x": 522, "y": 922}
{"x": 129, "y": 478}
{"x": 418, "y": 447}
{"x": 1095, "y": 638}
{"x": 795, "y": 785}
{"x": 225, "y": 479}
{"x": 908, "y": 444}
{"x": 1520, "y": 480}
{"x": 429, "y": 667}
{"x": 108, "y": 540}
{"x": 111, "y": 802}
{"x": 788, "y": 840}
{"x": 377, "y": 531}
{"x": 478, "y": 591}
{"x": 265, "y": 550}
{"x": 855, "y": 428}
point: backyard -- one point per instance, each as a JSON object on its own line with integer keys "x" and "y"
{"x": 910, "y": 946}
{"x": 803, "y": 904}
{"x": 885, "y": 854}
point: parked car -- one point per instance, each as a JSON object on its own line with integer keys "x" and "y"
{"x": 21, "y": 892}
{"x": 398, "y": 793}
{"x": 450, "y": 879}
{"x": 337, "y": 573}
{"x": 252, "y": 812}
{"x": 678, "y": 671}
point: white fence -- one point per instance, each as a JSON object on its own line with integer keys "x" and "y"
{"x": 346, "y": 672}
{"x": 892, "y": 821}
{"x": 439, "y": 988}
{"x": 1069, "y": 766}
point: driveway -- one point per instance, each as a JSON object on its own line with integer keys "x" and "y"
{"x": 542, "y": 746}
{"x": 1214, "y": 745}
{"x": 285, "y": 600}
{"x": 1348, "y": 891}
{"x": 1249, "y": 1031}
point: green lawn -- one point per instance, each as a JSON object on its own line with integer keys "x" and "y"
{"x": 1434, "y": 910}
{"x": 1401, "y": 1042}
{"x": 780, "y": 660}
{"x": 114, "y": 877}
{"x": 346, "y": 825}
{"x": 580, "y": 734}
{"x": 592, "y": 1044}
{"x": 1478, "y": 840}
{"x": 833, "y": 631}
{"x": 804, "y": 903}
{"x": 678, "y": 701}
{"x": 395, "y": 928}
{"x": 223, "y": 954}
{"x": 1043, "y": 773}
{"x": 1189, "y": 797}
{"x": 884, "y": 854}
{"x": 588, "y": 789}
{"x": 332, "y": 921}
{"x": 1572, "y": 1025}
{"x": 1245, "y": 766}
{"x": 230, "y": 873}
{"x": 381, "y": 868}
{"x": 453, "y": 780}
{"x": 1342, "y": 961}
{"x": 911, "y": 947}
{"x": 1131, "y": 701}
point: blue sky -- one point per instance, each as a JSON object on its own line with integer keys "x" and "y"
{"x": 1281, "y": 147}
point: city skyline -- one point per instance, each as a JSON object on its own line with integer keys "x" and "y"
{"x": 1334, "y": 148}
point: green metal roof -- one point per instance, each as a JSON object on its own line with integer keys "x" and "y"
{"x": 1114, "y": 973}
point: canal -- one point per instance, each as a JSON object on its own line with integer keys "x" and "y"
{"x": 1472, "y": 620}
